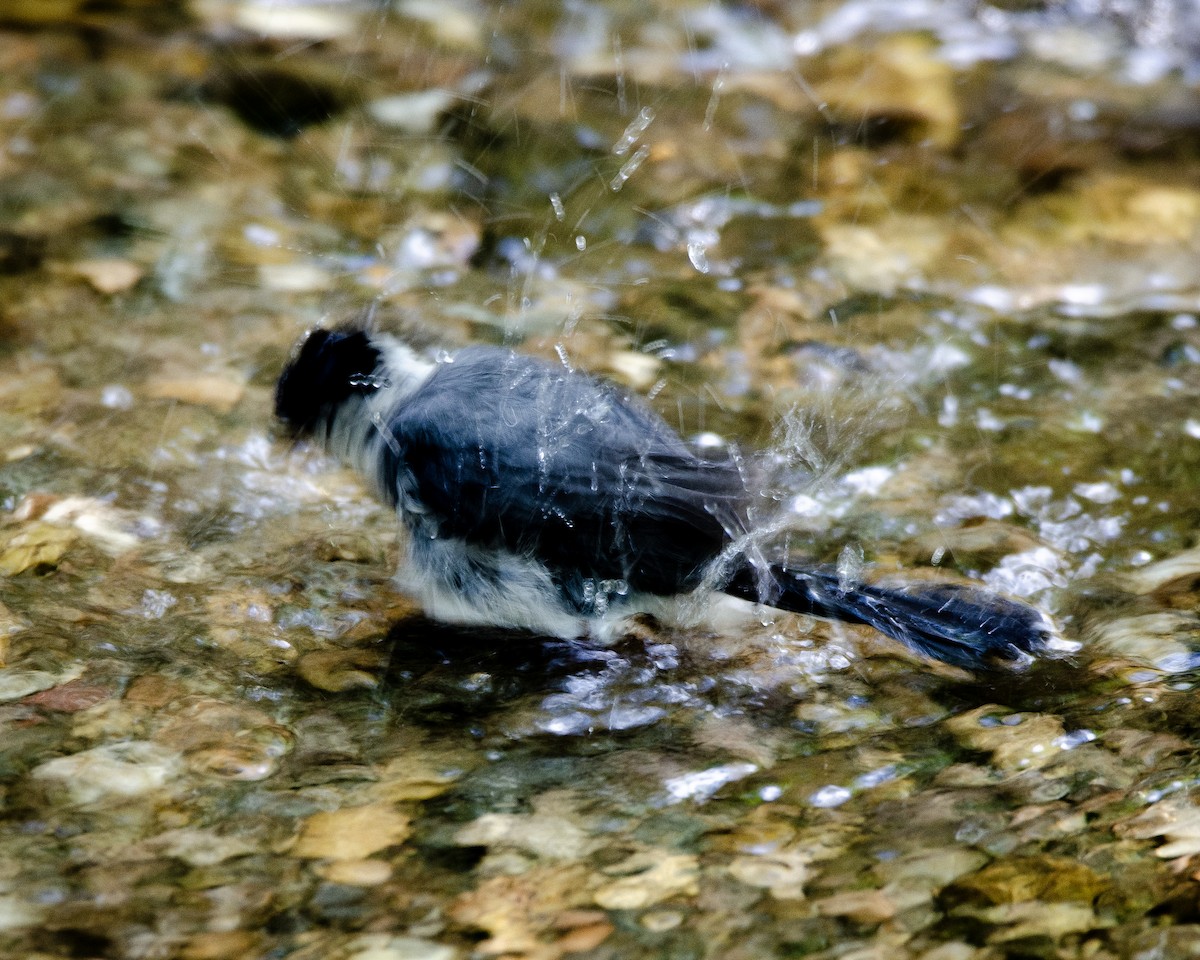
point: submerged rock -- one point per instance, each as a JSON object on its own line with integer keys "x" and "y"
{"x": 1015, "y": 741}
{"x": 352, "y": 833}
{"x": 651, "y": 880}
{"x": 106, "y": 773}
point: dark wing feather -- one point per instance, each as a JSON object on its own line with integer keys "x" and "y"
{"x": 554, "y": 465}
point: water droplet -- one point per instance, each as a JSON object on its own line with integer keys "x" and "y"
{"x": 1086, "y": 422}
{"x": 625, "y": 718}
{"x": 1076, "y": 738}
{"x": 698, "y": 255}
{"x": 709, "y": 440}
{"x": 830, "y": 796}
{"x": 986, "y": 420}
{"x": 369, "y": 380}
{"x": 116, "y": 397}
{"x": 718, "y": 87}
{"x": 633, "y": 132}
{"x": 261, "y": 236}
{"x": 570, "y": 724}
{"x": 873, "y": 778}
{"x": 701, "y": 785}
{"x": 1102, "y": 492}
{"x": 629, "y": 168}
{"x": 156, "y": 603}
{"x": 850, "y": 566}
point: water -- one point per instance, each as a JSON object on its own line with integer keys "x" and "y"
{"x": 940, "y": 257}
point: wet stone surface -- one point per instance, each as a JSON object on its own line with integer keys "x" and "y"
{"x": 941, "y": 259}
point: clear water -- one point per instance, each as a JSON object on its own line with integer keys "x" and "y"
{"x": 938, "y": 258}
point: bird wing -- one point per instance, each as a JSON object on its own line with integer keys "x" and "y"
{"x": 505, "y": 451}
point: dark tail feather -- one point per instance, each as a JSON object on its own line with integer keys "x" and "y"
{"x": 964, "y": 626}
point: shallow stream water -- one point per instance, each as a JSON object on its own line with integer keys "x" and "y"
{"x": 940, "y": 259}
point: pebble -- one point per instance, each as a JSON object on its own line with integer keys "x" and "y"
{"x": 200, "y": 848}
{"x": 239, "y": 761}
{"x": 10, "y": 624}
{"x": 861, "y": 906}
{"x": 783, "y": 872}
{"x": 30, "y": 389}
{"x": 154, "y": 690}
{"x": 294, "y": 277}
{"x": 666, "y": 877}
{"x": 544, "y": 835}
{"x": 109, "y": 276}
{"x": 113, "y": 530}
{"x": 16, "y": 684}
{"x": 38, "y": 546}
{"x": 905, "y": 80}
{"x": 660, "y": 921}
{"x": 915, "y": 877}
{"x": 455, "y": 26}
{"x": 294, "y": 22}
{"x": 422, "y": 774}
{"x": 954, "y": 950}
{"x": 16, "y": 913}
{"x": 1016, "y": 741}
{"x": 1168, "y": 640}
{"x": 586, "y": 938}
{"x": 219, "y": 945}
{"x": 377, "y": 946}
{"x": 70, "y": 697}
{"x": 352, "y": 833}
{"x": 114, "y": 770}
{"x": 639, "y": 370}
{"x": 340, "y": 670}
{"x": 356, "y": 873}
{"x": 415, "y": 113}
{"x": 1180, "y": 568}
{"x": 220, "y": 393}
{"x": 1175, "y": 819}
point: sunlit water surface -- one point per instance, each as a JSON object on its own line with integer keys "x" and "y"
{"x": 939, "y": 259}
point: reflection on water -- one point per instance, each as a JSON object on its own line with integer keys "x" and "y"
{"x": 938, "y": 258}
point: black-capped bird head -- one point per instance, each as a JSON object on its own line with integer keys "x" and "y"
{"x": 329, "y": 367}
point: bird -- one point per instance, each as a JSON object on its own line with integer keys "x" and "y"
{"x": 539, "y": 498}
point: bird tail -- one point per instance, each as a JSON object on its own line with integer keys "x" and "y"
{"x": 963, "y": 626}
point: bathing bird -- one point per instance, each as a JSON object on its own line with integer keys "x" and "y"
{"x": 539, "y": 498}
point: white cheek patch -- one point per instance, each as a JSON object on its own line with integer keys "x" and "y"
{"x": 402, "y": 370}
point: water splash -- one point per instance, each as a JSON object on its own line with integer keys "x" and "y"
{"x": 830, "y": 796}
{"x": 703, "y": 784}
{"x": 633, "y": 132}
{"x": 629, "y": 168}
{"x": 850, "y": 566}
